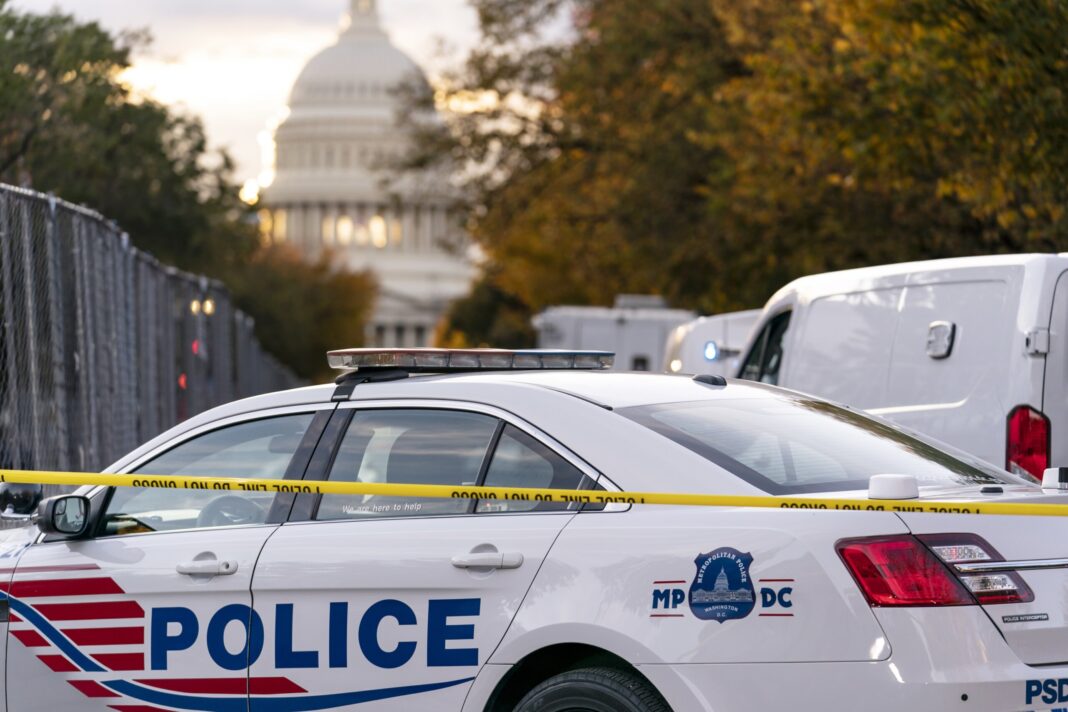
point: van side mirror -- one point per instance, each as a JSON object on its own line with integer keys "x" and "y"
{"x": 66, "y": 515}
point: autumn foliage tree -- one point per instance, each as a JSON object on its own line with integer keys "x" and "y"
{"x": 711, "y": 150}
{"x": 886, "y": 130}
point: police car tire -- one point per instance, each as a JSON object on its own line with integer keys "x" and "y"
{"x": 593, "y": 690}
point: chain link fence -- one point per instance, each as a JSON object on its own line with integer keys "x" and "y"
{"x": 101, "y": 346}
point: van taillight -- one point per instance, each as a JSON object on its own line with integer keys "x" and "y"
{"x": 1027, "y": 446}
{"x": 901, "y": 571}
{"x": 926, "y": 571}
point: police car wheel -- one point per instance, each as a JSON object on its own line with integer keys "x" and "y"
{"x": 593, "y": 690}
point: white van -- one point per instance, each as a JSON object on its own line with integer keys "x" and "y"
{"x": 970, "y": 351}
{"x": 710, "y": 344}
{"x": 634, "y": 329}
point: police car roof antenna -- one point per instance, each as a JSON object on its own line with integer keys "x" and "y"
{"x": 711, "y": 380}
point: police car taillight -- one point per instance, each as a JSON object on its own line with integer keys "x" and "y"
{"x": 968, "y": 555}
{"x": 445, "y": 360}
{"x": 931, "y": 570}
{"x": 901, "y": 571}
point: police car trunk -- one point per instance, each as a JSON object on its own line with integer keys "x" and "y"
{"x": 1015, "y": 567}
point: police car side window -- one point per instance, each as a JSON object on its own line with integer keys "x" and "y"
{"x": 521, "y": 461}
{"x": 425, "y": 447}
{"x": 255, "y": 449}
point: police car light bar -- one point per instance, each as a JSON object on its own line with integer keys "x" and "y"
{"x": 446, "y": 360}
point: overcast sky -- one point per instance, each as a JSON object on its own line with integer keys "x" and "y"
{"x": 233, "y": 61}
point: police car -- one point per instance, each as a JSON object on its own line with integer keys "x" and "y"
{"x": 166, "y": 599}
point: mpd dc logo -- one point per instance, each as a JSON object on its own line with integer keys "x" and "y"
{"x": 723, "y": 590}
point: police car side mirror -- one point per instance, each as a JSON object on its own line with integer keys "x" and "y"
{"x": 66, "y": 515}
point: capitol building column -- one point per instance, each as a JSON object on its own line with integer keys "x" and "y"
{"x": 311, "y": 243}
{"x": 296, "y": 226}
{"x": 408, "y": 229}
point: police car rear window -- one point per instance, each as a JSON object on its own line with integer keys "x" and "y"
{"x": 788, "y": 444}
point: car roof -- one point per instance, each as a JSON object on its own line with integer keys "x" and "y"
{"x": 532, "y": 395}
{"x": 571, "y": 407}
{"x": 830, "y": 283}
{"x": 609, "y": 389}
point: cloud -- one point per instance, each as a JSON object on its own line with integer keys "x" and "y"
{"x": 141, "y": 12}
{"x": 416, "y": 25}
{"x": 189, "y": 23}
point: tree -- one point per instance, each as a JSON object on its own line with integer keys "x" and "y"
{"x": 69, "y": 126}
{"x": 487, "y": 317}
{"x": 585, "y": 179}
{"x": 871, "y": 131}
{"x": 50, "y": 69}
{"x": 711, "y": 150}
{"x": 332, "y": 303}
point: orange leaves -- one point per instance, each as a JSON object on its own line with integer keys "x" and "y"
{"x": 712, "y": 149}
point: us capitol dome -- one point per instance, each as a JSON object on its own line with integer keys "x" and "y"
{"x": 332, "y": 188}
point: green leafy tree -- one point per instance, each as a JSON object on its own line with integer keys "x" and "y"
{"x": 306, "y": 308}
{"x": 68, "y": 125}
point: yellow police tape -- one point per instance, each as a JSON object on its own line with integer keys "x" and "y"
{"x": 594, "y": 497}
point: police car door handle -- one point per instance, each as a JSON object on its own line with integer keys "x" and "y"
{"x": 209, "y": 567}
{"x": 488, "y": 560}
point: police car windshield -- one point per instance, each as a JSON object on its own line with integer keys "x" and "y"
{"x": 789, "y": 444}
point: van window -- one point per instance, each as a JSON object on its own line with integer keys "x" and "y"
{"x": 765, "y": 358}
{"x": 791, "y": 444}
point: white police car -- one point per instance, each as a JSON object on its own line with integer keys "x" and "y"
{"x": 207, "y": 600}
